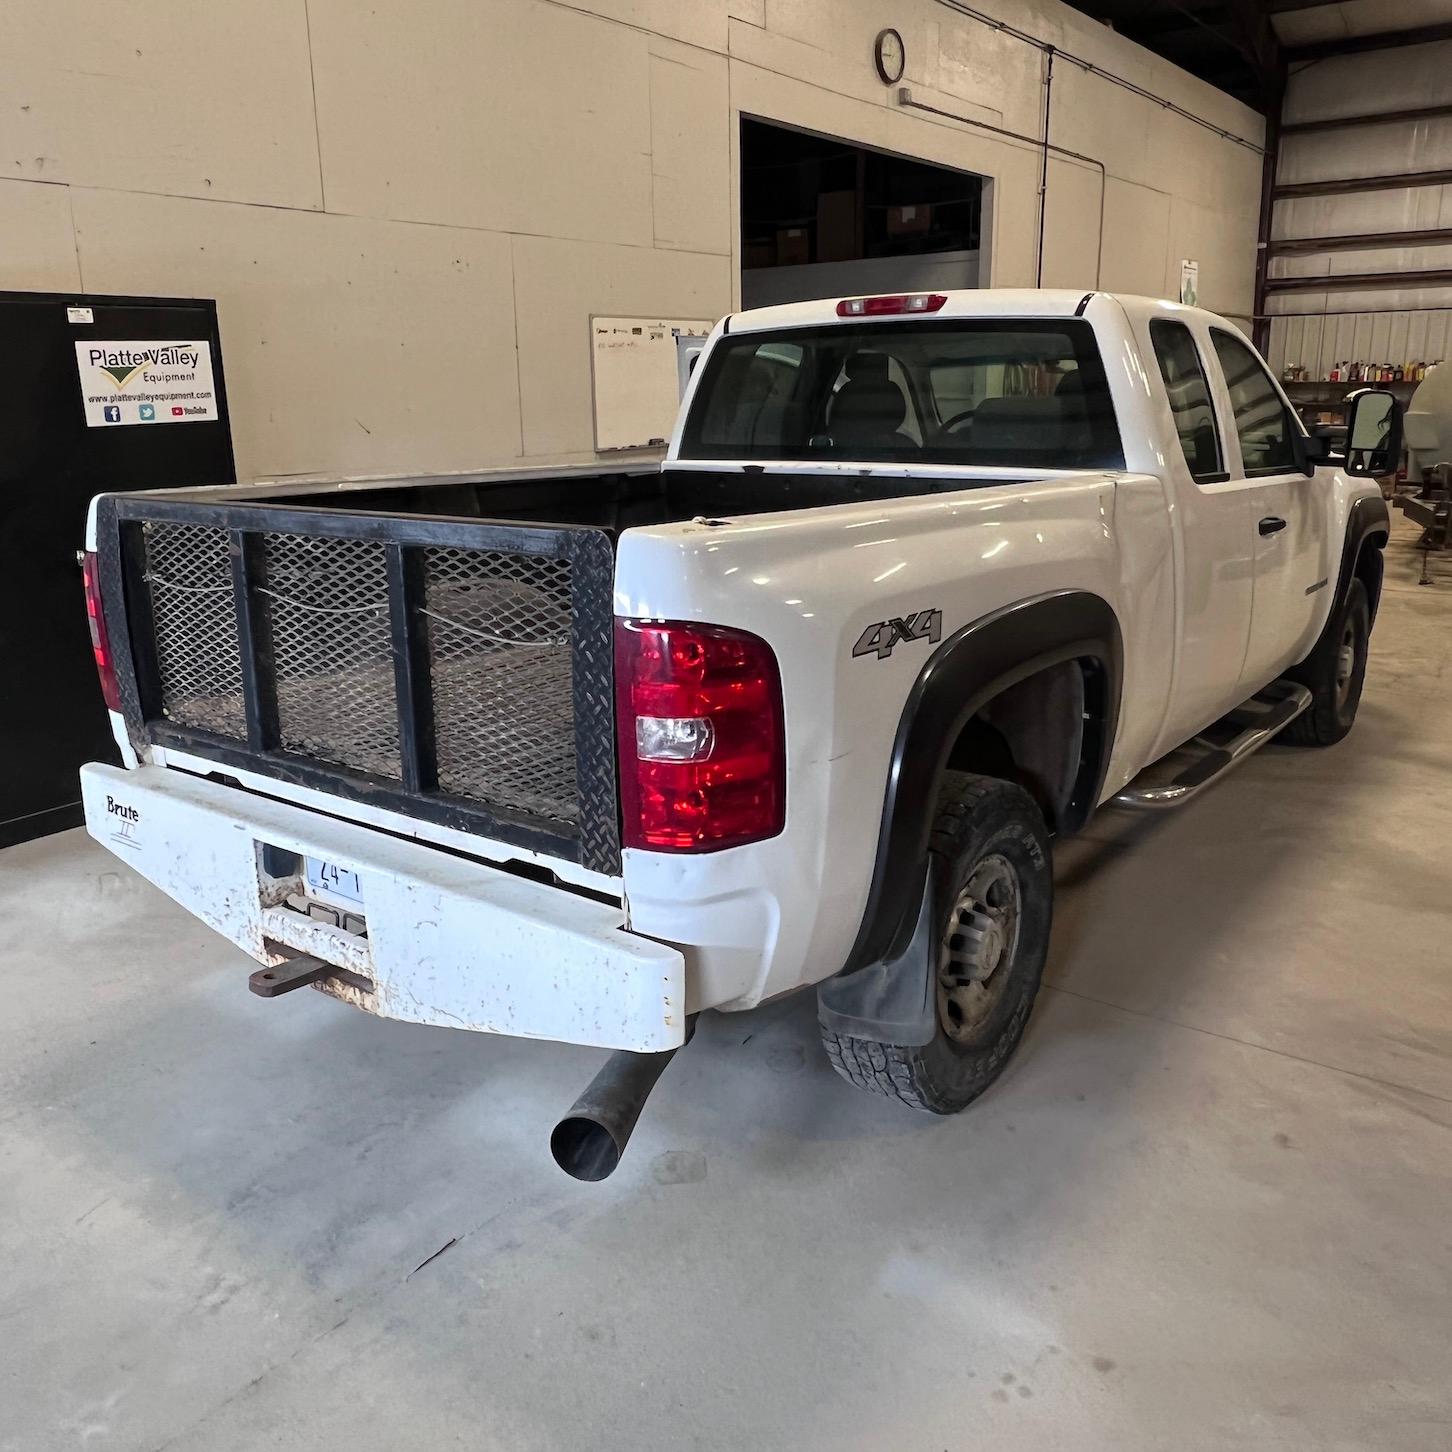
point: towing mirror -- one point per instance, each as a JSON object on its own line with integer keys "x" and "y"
{"x": 1373, "y": 434}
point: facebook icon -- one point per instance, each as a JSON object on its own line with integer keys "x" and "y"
{"x": 112, "y": 412}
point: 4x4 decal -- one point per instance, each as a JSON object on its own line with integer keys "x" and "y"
{"x": 880, "y": 639}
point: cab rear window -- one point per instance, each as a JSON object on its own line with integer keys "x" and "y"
{"x": 1015, "y": 392}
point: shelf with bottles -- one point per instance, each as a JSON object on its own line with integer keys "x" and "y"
{"x": 1321, "y": 402}
{"x": 1344, "y": 376}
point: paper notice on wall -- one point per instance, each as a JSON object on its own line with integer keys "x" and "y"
{"x": 1190, "y": 283}
{"x": 146, "y": 383}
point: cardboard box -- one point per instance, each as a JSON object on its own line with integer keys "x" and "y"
{"x": 837, "y": 227}
{"x": 759, "y": 254}
{"x": 793, "y": 247}
{"x": 902, "y": 221}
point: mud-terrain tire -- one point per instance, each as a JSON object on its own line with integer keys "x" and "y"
{"x": 993, "y": 937}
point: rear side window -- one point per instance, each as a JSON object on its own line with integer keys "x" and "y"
{"x": 1261, "y": 419}
{"x": 1189, "y": 393}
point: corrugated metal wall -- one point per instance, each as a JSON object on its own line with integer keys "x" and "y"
{"x": 1384, "y": 325}
{"x": 1318, "y": 343}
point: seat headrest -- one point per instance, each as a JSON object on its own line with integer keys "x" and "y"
{"x": 869, "y": 406}
{"x": 868, "y": 366}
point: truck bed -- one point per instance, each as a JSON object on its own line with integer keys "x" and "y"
{"x": 609, "y": 501}
{"x": 438, "y": 647}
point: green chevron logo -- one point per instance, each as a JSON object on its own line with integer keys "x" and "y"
{"x": 121, "y": 372}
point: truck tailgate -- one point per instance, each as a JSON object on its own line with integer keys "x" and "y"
{"x": 456, "y": 670}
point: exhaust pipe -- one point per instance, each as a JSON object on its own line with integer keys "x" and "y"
{"x": 589, "y": 1141}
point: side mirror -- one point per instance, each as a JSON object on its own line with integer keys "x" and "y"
{"x": 1373, "y": 434}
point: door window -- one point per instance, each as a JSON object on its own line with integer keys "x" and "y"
{"x": 1262, "y": 420}
{"x": 1189, "y": 394}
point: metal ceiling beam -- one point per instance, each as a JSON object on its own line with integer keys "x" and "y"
{"x": 1255, "y": 38}
{"x": 1271, "y": 7}
{"x": 1175, "y": 25}
{"x": 1361, "y": 241}
{"x": 1350, "y": 185}
{"x": 1361, "y": 281}
{"x": 1236, "y": 78}
{"x": 1205, "y": 37}
{"x": 1371, "y": 118}
{"x": 1179, "y": 19}
{"x": 1360, "y": 44}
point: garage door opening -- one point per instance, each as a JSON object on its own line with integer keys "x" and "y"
{"x": 823, "y": 217}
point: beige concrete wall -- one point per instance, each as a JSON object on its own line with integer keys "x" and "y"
{"x": 407, "y": 211}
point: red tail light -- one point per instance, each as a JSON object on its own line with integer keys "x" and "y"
{"x": 896, "y": 302}
{"x": 100, "y": 641}
{"x": 699, "y": 726}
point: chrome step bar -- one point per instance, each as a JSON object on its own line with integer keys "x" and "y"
{"x": 1218, "y": 761}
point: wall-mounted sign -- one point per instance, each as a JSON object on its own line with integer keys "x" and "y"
{"x": 1190, "y": 283}
{"x": 165, "y": 381}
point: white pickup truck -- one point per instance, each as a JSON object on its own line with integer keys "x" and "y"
{"x": 922, "y": 582}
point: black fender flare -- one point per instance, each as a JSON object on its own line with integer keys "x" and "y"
{"x": 1367, "y": 518}
{"x": 970, "y": 668}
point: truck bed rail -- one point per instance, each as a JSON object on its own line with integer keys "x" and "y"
{"x": 453, "y": 669}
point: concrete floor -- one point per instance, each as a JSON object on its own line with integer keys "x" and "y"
{"x": 1206, "y": 1207}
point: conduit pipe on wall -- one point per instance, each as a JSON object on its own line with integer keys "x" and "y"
{"x": 905, "y": 98}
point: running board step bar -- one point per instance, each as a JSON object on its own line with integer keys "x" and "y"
{"x": 1290, "y": 701}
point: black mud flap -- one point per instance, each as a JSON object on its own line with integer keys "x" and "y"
{"x": 893, "y": 1001}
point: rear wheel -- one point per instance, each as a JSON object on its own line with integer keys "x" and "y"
{"x": 992, "y": 942}
{"x": 1334, "y": 673}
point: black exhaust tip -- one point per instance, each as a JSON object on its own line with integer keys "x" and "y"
{"x": 589, "y": 1141}
{"x": 585, "y": 1149}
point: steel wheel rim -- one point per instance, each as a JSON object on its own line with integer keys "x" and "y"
{"x": 1345, "y": 663}
{"x": 980, "y": 943}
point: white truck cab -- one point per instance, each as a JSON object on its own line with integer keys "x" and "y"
{"x": 923, "y": 581}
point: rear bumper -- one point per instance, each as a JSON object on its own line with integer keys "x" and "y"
{"x": 449, "y": 941}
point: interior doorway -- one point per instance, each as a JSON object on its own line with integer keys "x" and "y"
{"x": 824, "y": 217}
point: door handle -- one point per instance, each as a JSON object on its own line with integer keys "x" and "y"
{"x": 1272, "y": 524}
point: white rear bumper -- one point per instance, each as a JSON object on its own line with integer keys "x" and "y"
{"x": 450, "y": 941}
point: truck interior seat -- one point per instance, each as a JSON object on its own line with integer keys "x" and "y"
{"x": 1043, "y": 425}
{"x": 869, "y": 408}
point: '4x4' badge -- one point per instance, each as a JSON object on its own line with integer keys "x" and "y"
{"x": 880, "y": 639}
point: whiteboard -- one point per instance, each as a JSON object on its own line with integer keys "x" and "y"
{"x": 636, "y": 381}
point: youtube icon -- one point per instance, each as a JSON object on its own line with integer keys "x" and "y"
{"x": 176, "y": 411}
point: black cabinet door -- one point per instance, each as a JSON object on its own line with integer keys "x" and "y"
{"x": 51, "y": 464}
